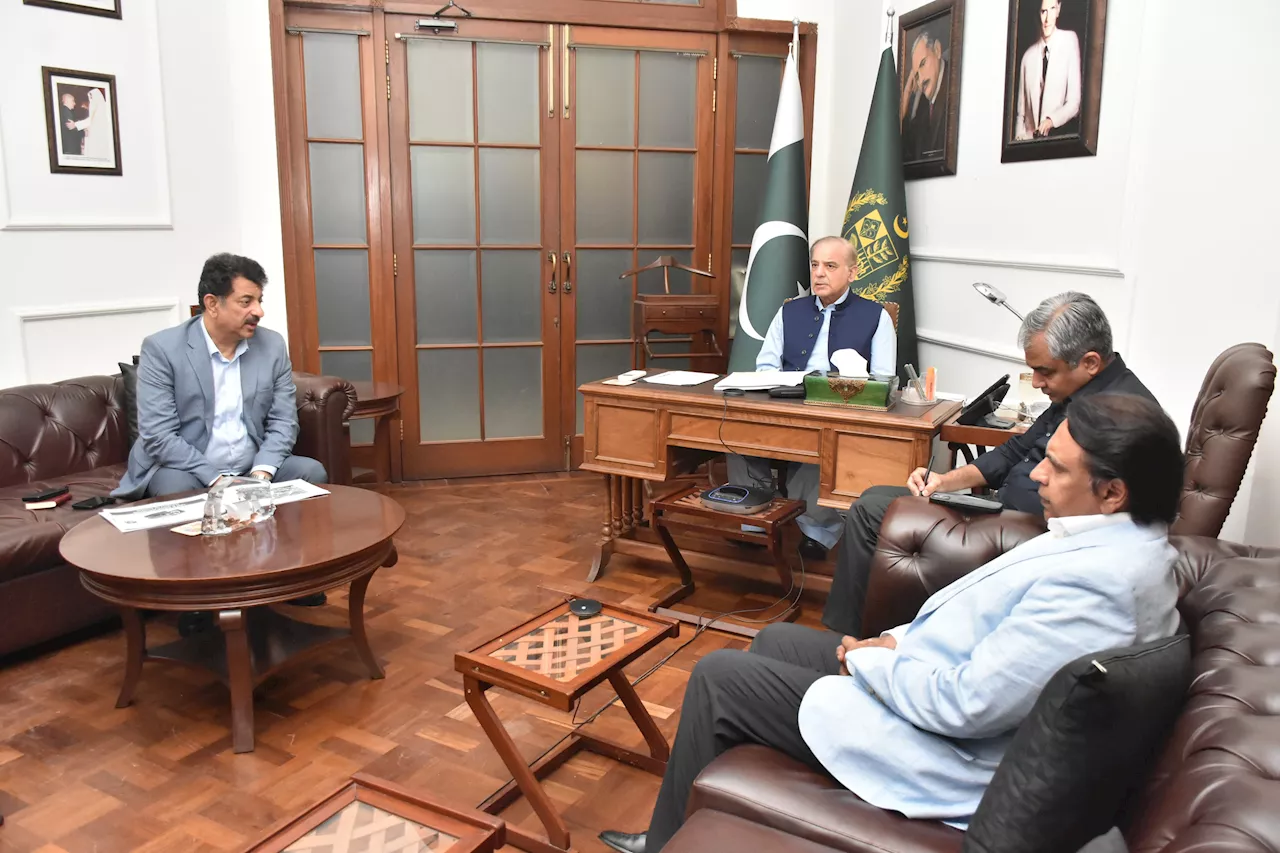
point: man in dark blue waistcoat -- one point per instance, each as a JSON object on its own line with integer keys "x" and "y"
{"x": 804, "y": 334}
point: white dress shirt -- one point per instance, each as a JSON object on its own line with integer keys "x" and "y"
{"x": 884, "y": 344}
{"x": 230, "y": 449}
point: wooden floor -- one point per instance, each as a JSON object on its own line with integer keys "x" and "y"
{"x": 78, "y": 775}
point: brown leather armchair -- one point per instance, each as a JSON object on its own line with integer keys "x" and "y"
{"x": 74, "y": 434}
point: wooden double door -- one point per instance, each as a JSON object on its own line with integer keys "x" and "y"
{"x": 464, "y": 203}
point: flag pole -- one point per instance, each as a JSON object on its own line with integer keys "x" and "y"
{"x": 795, "y": 39}
{"x": 888, "y": 26}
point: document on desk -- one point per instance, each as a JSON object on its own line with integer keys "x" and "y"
{"x": 761, "y": 380}
{"x": 680, "y": 377}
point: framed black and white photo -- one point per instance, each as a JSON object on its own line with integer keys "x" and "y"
{"x": 103, "y": 8}
{"x": 1053, "y": 79}
{"x": 930, "y": 40}
{"x": 84, "y": 127}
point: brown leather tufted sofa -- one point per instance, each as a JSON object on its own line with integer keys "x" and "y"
{"x": 1216, "y": 786}
{"x": 74, "y": 434}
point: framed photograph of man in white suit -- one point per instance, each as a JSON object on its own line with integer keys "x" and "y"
{"x": 1053, "y": 79}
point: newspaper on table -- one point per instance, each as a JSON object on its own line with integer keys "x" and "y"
{"x": 182, "y": 510}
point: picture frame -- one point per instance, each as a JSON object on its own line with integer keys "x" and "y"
{"x": 930, "y": 57}
{"x": 101, "y": 8}
{"x": 83, "y": 122}
{"x": 1062, "y": 121}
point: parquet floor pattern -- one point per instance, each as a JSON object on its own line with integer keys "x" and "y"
{"x": 78, "y": 775}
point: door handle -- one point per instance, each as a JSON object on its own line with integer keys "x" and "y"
{"x": 551, "y": 285}
{"x": 568, "y": 282}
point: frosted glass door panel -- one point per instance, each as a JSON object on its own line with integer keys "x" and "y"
{"x": 331, "y": 65}
{"x": 508, "y": 79}
{"x": 337, "y": 193}
{"x": 668, "y": 96}
{"x": 666, "y": 199}
{"x": 512, "y": 392}
{"x": 512, "y": 296}
{"x": 604, "y": 299}
{"x": 439, "y": 91}
{"x": 449, "y": 394}
{"x": 604, "y": 194}
{"x": 444, "y": 195}
{"x": 606, "y": 96}
{"x": 342, "y": 297}
{"x": 759, "y": 81}
{"x": 445, "y": 294}
{"x": 355, "y": 366}
{"x": 749, "y": 172}
{"x": 509, "y": 196}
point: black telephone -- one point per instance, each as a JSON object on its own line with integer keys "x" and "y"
{"x": 980, "y": 411}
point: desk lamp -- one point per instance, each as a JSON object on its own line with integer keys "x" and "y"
{"x": 995, "y": 296}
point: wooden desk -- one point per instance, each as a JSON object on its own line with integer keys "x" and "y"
{"x": 634, "y": 433}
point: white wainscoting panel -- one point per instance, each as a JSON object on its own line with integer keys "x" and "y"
{"x": 66, "y": 341}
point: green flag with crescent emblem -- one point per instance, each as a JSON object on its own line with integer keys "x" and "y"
{"x": 778, "y": 266}
{"x": 875, "y": 221}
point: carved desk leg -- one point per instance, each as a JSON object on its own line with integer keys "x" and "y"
{"x": 239, "y": 678}
{"x": 604, "y": 550}
{"x": 135, "y": 633}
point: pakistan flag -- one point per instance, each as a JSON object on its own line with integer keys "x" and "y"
{"x": 875, "y": 221}
{"x": 778, "y": 267}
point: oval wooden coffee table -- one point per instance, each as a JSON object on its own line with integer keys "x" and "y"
{"x": 308, "y": 547}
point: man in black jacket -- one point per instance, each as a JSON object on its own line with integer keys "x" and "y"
{"x": 1067, "y": 344}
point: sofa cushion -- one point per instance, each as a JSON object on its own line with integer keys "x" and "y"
{"x": 764, "y": 786}
{"x": 29, "y": 538}
{"x": 1085, "y": 747}
{"x": 129, "y": 397}
{"x": 709, "y": 830}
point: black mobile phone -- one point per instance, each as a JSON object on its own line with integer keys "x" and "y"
{"x": 966, "y": 503}
{"x": 46, "y": 495}
{"x": 94, "y": 502}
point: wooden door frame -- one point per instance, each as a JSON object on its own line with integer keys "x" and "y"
{"x": 710, "y": 16}
{"x": 491, "y": 455}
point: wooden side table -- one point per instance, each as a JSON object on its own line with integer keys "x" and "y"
{"x": 958, "y": 438}
{"x": 683, "y": 509}
{"x": 370, "y": 814}
{"x": 554, "y": 659}
{"x": 380, "y": 401}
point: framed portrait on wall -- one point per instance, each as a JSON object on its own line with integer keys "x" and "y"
{"x": 929, "y": 53}
{"x": 84, "y": 128}
{"x": 104, "y": 8}
{"x": 1053, "y": 79}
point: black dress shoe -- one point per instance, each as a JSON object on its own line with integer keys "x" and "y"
{"x": 812, "y": 550}
{"x": 316, "y": 600}
{"x": 623, "y": 842}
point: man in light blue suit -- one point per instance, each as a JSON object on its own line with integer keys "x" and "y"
{"x": 916, "y": 720}
{"x": 216, "y": 394}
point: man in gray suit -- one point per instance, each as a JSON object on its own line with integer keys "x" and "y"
{"x": 216, "y": 394}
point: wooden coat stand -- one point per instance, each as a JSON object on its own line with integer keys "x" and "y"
{"x": 683, "y": 315}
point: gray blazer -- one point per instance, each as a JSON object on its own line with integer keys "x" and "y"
{"x": 175, "y": 404}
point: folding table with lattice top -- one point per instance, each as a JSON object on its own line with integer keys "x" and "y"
{"x": 555, "y": 658}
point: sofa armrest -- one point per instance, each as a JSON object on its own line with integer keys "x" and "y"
{"x": 924, "y": 546}
{"x": 324, "y": 404}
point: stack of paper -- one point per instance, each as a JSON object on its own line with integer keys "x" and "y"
{"x": 761, "y": 380}
{"x": 680, "y": 377}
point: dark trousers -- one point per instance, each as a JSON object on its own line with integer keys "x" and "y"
{"x": 738, "y": 697}
{"x": 843, "y": 612}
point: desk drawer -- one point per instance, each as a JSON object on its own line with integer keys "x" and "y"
{"x": 751, "y": 438}
{"x": 863, "y": 460}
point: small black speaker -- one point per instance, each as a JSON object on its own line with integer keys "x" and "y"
{"x": 743, "y": 500}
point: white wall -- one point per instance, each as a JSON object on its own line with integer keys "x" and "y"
{"x": 89, "y": 264}
{"x": 1165, "y": 227}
